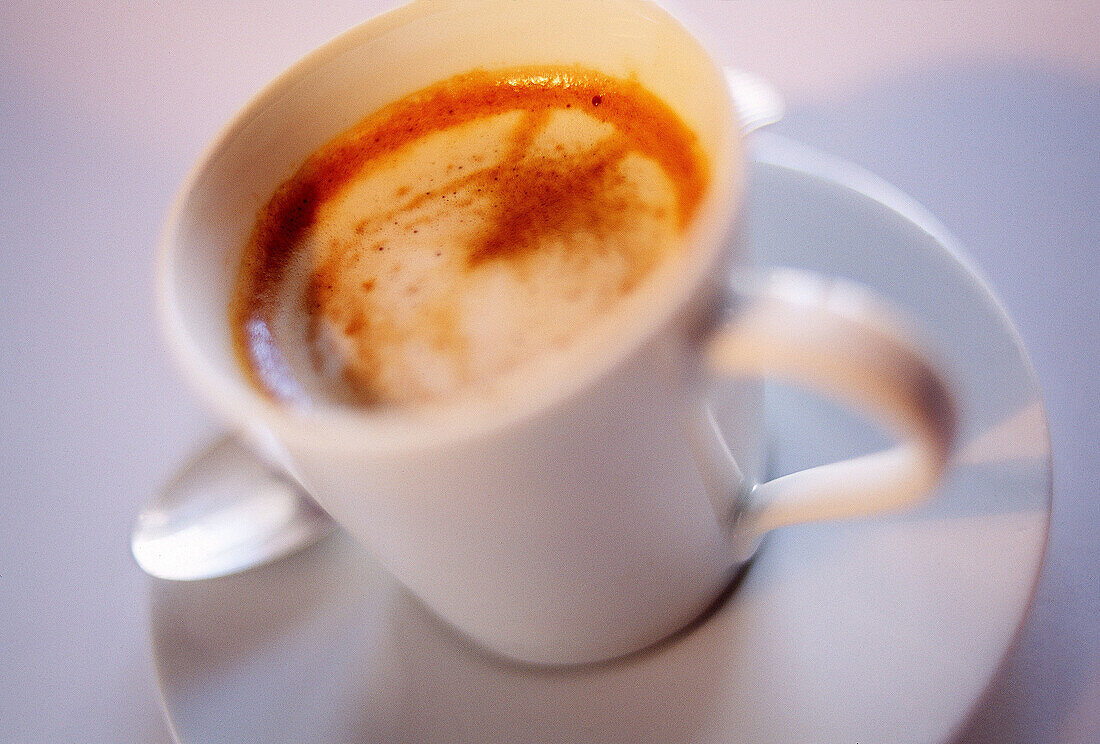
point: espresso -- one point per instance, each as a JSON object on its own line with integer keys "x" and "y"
{"x": 460, "y": 233}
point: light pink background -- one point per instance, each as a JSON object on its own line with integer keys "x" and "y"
{"x": 987, "y": 112}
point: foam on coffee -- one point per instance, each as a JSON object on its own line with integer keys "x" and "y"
{"x": 459, "y": 233}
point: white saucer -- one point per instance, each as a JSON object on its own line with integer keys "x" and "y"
{"x": 878, "y": 630}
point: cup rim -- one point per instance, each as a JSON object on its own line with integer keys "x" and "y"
{"x": 592, "y": 356}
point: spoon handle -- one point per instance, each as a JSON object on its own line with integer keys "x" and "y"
{"x": 758, "y": 102}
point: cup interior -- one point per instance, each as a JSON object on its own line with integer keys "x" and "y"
{"x": 376, "y": 63}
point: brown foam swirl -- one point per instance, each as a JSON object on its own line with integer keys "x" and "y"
{"x": 525, "y": 201}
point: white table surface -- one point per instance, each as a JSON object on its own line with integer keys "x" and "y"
{"x": 987, "y": 113}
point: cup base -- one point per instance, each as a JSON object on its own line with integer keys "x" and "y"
{"x": 737, "y": 577}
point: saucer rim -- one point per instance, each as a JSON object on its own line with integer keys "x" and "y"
{"x": 769, "y": 148}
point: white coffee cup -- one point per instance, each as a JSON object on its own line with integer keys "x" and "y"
{"x": 590, "y": 508}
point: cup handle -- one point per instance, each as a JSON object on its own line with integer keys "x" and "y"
{"x": 837, "y": 338}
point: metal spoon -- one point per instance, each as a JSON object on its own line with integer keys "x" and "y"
{"x": 757, "y": 101}
{"x": 225, "y": 512}
{"x": 228, "y": 511}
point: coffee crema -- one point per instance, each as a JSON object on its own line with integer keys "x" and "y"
{"x": 461, "y": 232}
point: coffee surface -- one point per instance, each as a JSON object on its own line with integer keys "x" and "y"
{"x": 461, "y": 232}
